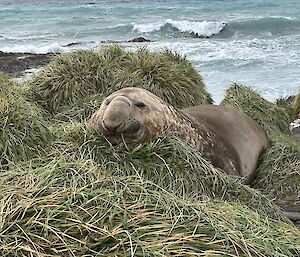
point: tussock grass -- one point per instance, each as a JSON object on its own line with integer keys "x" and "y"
{"x": 76, "y": 195}
{"x": 273, "y": 118}
{"x": 287, "y": 104}
{"x": 278, "y": 176}
{"x": 166, "y": 74}
{"x": 296, "y": 105}
{"x": 166, "y": 161}
{"x": 23, "y": 131}
{"x": 80, "y": 110}
{"x": 70, "y": 77}
{"x": 60, "y": 207}
{"x": 73, "y": 82}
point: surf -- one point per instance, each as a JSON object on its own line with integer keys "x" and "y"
{"x": 193, "y": 28}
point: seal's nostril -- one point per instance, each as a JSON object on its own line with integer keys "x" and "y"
{"x": 114, "y": 129}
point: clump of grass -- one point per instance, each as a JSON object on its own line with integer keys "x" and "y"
{"x": 23, "y": 131}
{"x": 80, "y": 110}
{"x": 70, "y": 77}
{"x": 67, "y": 85}
{"x": 278, "y": 176}
{"x": 60, "y": 207}
{"x": 296, "y": 105}
{"x": 166, "y": 74}
{"x": 166, "y": 161}
{"x": 273, "y": 118}
{"x": 287, "y": 104}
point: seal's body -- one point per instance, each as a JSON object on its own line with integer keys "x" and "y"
{"x": 230, "y": 139}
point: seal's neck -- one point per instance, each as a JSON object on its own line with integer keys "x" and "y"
{"x": 188, "y": 129}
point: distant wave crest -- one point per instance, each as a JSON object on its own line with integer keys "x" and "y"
{"x": 196, "y": 28}
{"x": 252, "y": 26}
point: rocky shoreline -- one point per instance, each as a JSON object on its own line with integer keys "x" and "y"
{"x": 16, "y": 64}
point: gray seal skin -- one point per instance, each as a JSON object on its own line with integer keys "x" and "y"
{"x": 230, "y": 139}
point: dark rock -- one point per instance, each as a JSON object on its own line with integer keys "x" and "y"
{"x": 111, "y": 41}
{"x": 72, "y": 44}
{"x": 196, "y": 35}
{"x": 139, "y": 40}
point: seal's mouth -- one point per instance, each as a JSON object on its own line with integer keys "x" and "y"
{"x": 128, "y": 135}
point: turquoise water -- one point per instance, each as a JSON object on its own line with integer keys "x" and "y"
{"x": 254, "y": 42}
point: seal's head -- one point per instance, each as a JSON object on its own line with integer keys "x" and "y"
{"x": 130, "y": 115}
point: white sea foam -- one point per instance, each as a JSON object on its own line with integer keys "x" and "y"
{"x": 216, "y": 59}
{"x": 148, "y": 27}
{"x": 35, "y": 49}
{"x": 200, "y": 28}
{"x": 203, "y": 28}
{"x": 256, "y": 17}
{"x": 116, "y": 26}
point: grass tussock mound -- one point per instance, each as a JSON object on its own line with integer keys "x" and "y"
{"x": 73, "y": 208}
{"x": 296, "y": 105}
{"x": 23, "y": 131}
{"x": 166, "y": 161}
{"x": 70, "y": 77}
{"x": 287, "y": 104}
{"x": 74, "y": 84}
{"x": 86, "y": 198}
{"x": 272, "y": 117}
{"x": 166, "y": 74}
{"x": 278, "y": 176}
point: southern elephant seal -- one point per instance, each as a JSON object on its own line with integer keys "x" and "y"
{"x": 228, "y": 138}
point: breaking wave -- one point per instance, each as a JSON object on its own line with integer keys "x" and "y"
{"x": 272, "y": 25}
{"x": 196, "y": 28}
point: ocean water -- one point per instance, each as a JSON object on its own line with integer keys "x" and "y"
{"x": 255, "y": 42}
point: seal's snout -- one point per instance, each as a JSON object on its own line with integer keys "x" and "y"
{"x": 115, "y": 116}
{"x": 113, "y": 122}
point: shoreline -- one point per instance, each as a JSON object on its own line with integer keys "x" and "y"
{"x": 16, "y": 64}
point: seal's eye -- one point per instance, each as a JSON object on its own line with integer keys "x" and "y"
{"x": 106, "y": 102}
{"x": 140, "y": 105}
